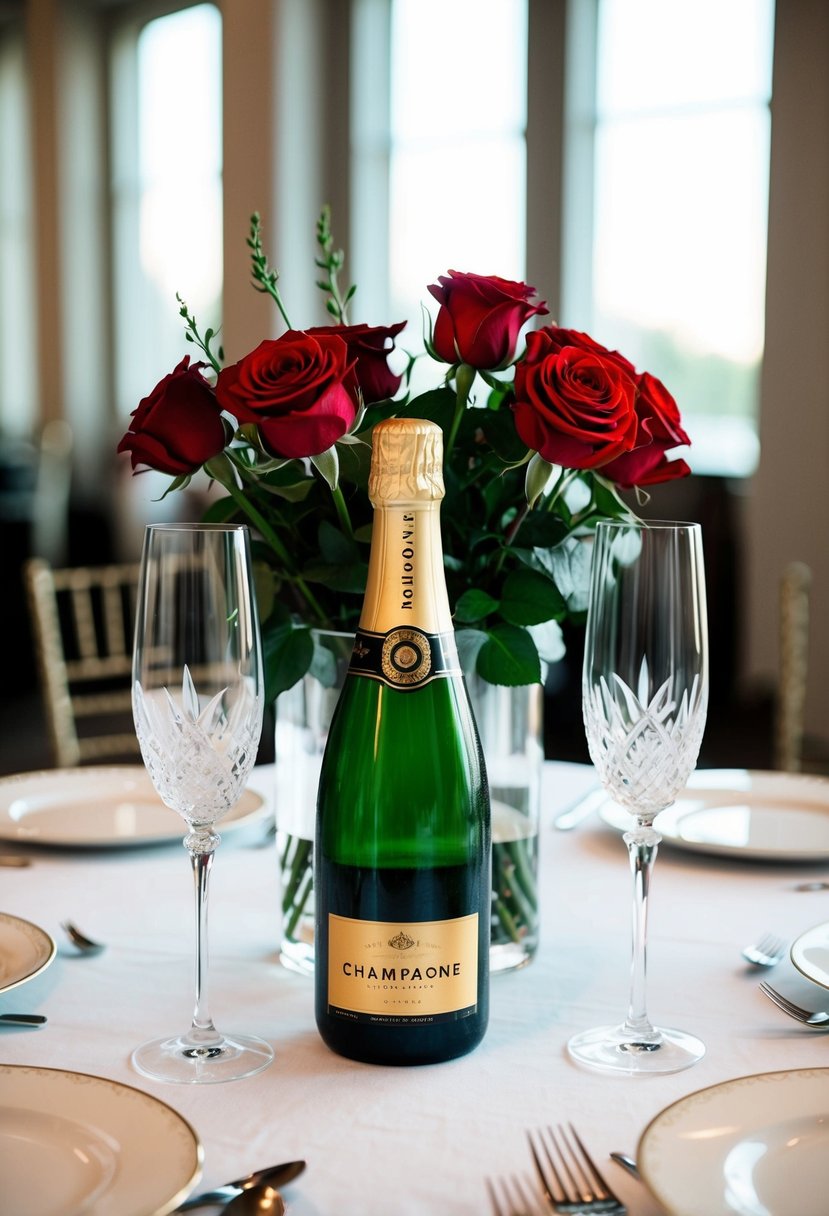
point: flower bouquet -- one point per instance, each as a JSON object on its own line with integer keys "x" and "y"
{"x": 540, "y": 437}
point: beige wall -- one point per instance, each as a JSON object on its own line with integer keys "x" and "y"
{"x": 787, "y": 507}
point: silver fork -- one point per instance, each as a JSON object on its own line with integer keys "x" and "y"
{"x": 569, "y": 1176}
{"x": 767, "y": 952}
{"x": 809, "y": 1017}
{"x": 512, "y": 1197}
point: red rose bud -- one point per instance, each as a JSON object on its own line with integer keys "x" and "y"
{"x": 294, "y": 389}
{"x": 660, "y": 429}
{"x": 178, "y": 426}
{"x": 574, "y": 404}
{"x": 368, "y": 345}
{"x": 480, "y": 318}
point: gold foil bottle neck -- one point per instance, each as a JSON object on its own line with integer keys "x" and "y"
{"x": 406, "y": 462}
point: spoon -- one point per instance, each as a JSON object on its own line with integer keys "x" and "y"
{"x": 272, "y": 1175}
{"x": 257, "y": 1201}
{"x": 85, "y": 944}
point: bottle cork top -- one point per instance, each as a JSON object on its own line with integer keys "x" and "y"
{"x": 406, "y": 462}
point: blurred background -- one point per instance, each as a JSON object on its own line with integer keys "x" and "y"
{"x": 658, "y": 171}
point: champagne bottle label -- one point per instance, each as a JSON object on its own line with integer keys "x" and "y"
{"x": 404, "y": 657}
{"x": 403, "y": 973}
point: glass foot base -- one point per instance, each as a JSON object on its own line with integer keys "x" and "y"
{"x": 615, "y": 1049}
{"x": 177, "y": 1059}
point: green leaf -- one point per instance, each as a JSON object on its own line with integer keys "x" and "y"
{"x": 438, "y": 405}
{"x": 220, "y": 511}
{"x": 529, "y": 598}
{"x": 327, "y": 465}
{"x": 508, "y": 656}
{"x": 474, "y": 605}
{"x": 324, "y": 664}
{"x": 288, "y": 651}
{"x": 336, "y": 548}
{"x": 499, "y": 428}
{"x": 349, "y": 576}
{"x": 263, "y": 587}
{"x": 542, "y": 530}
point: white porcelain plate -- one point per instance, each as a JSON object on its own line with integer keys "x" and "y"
{"x": 99, "y": 808}
{"x": 810, "y": 954}
{"x": 755, "y": 815}
{"x": 70, "y": 1142}
{"x": 25, "y": 951}
{"x": 754, "y": 1146}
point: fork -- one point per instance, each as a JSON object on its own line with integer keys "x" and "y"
{"x": 809, "y": 1017}
{"x": 569, "y": 1176}
{"x": 767, "y": 952}
{"x": 517, "y": 1197}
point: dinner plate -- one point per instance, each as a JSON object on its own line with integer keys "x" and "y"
{"x": 810, "y": 954}
{"x": 742, "y": 813}
{"x": 72, "y": 1142}
{"x": 25, "y": 951}
{"x": 99, "y": 808}
{"x": 754, "y": 1146}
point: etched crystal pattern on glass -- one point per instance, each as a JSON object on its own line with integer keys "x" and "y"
{"x": 644, "y": 745}
{"x": 198, "y": 750}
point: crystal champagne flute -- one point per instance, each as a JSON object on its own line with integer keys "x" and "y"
{"x": 197, "y": 704}
{"x": 645, "y": 696}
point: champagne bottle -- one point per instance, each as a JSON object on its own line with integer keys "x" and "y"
{"x": 402, "y": 855}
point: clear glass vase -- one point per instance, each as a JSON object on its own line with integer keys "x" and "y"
{"x": 510, "y": 723}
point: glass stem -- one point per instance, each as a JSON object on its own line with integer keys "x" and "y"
{"x": 642, "y": 845}
{"x": 203, "y": 1033}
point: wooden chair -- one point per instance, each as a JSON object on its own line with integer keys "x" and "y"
{"x": 82, "y": 623}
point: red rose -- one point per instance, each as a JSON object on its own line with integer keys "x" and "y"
{"x": 659, "y": 430}
{"x": 480, "y": 318}
{"x": 574, "y": 403}
{"x": 367, "y": 344}
{"x": 179, "y": 426}
{"x": 573, "y": 337}
{"x": 294, "y": 389}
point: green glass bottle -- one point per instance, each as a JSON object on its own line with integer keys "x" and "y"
{"x": 402, "y": 855}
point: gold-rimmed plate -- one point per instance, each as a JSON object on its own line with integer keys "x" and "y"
{"x": 73, "y": 1142}
{"x": 754, "y": 1146}
{"x": 810, "y": 954}
{"x": 100, "y": 808}
{"x": 745, "y": 814}
{"x": 25, "y": 951}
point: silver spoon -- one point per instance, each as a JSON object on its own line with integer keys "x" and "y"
{"x": 272, "y": 1175}
{"x": 85, "y": 944}
{"x": 257, "y": 1201}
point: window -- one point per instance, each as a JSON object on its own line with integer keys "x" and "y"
{"x": 17, "y": 357}
{"x": 166, "y": 191}
{"x": 680, "y": 194}
{"x": 454, "y": 163}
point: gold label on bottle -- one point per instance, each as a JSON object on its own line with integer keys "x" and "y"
{"x": 405, "y": 657}
{"x": 403, "y": 972}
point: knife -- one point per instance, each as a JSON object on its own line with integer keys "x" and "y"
{"x": 23, "y": 1019}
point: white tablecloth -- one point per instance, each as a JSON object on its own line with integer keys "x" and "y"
{"x": 394, "y": 1141}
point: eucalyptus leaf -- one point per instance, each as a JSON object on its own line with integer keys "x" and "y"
{"x": 568, "y": 564}
{"x": 509, "y": 656}
{"x": 549, "y": 641}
